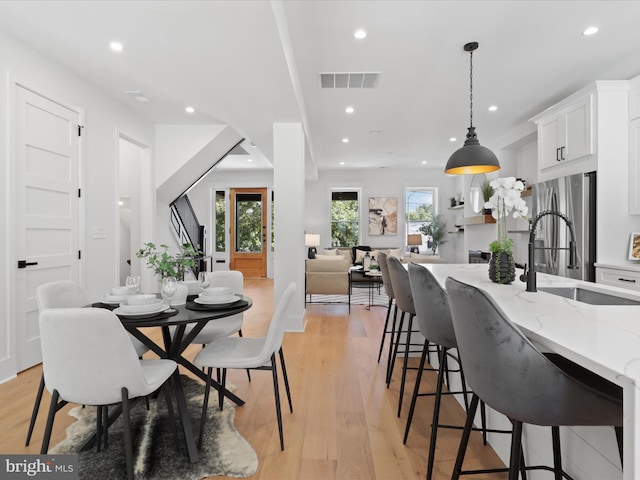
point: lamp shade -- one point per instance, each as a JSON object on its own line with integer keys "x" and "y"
{"x": 472, "y": 158}
{"x": 414, "y": 239}
{"x": 312, "y": 239}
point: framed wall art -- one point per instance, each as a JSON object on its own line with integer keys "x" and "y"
{"x": 383, "y": 215}
{"x": 634, "y": 247}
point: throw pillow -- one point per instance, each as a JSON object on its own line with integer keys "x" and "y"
{"x": 396, "y": 253}
{"x": 331, "y": 251}
{"x": 329, "y": 257}
{"x": 354, "y": 253}
{"x": 360, "y": 254}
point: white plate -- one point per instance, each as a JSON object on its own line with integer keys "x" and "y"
{"x": 141, "y": 299}
{"x": 156, "y": 309}
{"x": 216, "y": 292}
{"x": 201, "y": 301}
{"x": 145, "y": 308}
{"x": 115, "y": 298}
{"x": 217, "y": 299}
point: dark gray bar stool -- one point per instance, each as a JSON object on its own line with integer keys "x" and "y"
{"x": 506, "y": 371}
{"x": 404, "y": 300}
{"x": 434, "y": 322}
{"x": 388, "y": 289}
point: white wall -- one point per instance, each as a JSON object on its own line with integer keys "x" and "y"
{"x": 387, "y": 182}
{"x": 104, "y": 117}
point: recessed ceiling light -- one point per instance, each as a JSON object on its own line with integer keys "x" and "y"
{"x": 345, "y": 140}
{"x": 590, "y": 30}
{"x": 493, "y": 108}
{"x": 341, "y": 163}
{"x": 452, "y": 139}
{"x": 252, "y": 144}
{"x": 424, "y": 162}
{"x": 349, "y": 110}
{"x": 249, "y": 159}
{"x": 189, "y": 110}
{"x": 360, "y": 34}
{"x": 116, "y": 46}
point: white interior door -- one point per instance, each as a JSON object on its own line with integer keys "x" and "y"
{"x": 47, "y": 213}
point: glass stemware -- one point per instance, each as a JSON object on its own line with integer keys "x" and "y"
{"x": 203, "y": 280}
{"x": 169, "y": 287}
{"x": 133, "y": 284}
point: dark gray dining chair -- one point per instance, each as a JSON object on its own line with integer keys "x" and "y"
{"x": 507, "y": 372}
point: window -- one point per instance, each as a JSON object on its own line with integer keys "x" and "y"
{"x": 220, "y": 207}
{"x": 420, "y": 208}
{"x": 345, "y": 218}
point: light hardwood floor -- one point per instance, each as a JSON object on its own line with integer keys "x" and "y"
{"x": 344, "y": 424}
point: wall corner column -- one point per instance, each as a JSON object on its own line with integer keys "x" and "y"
{"x": 289, "y": 191}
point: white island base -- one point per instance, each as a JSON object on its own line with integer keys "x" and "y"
{"x": 603, "y": 338}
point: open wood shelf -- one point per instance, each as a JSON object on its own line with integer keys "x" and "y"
{"x": 477, "y": 220}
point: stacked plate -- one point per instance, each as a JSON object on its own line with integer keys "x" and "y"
{"x": 141, "y": 305}
{"x": 216, "y": 296}
{"x": 117, "y": 295}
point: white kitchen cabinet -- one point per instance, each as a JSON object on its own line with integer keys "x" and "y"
{"x": 634, "y": 98}
{"x": 634, "y": 167}
{"x": 565, "y": 134}
{"x": 618, "y": 276}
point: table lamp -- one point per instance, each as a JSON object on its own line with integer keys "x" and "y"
{"x": 413, "y": 240}
{"x": 312, "y": 240}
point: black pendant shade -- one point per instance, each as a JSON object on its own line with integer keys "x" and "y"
{"x": 472, "y": 158}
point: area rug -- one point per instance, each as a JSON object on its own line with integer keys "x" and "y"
{"x": 224, "y": 451}
{"x": 359, "y": 296}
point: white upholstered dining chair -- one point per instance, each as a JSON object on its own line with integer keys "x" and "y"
{"x": 63, "y": 294}
{"x": 250, "y": 353}
{"x": 88, "y": 359}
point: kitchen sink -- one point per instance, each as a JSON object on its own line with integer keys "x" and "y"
{"x": 589, "y": 296}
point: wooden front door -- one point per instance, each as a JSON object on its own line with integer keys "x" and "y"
{"x": 249, "y": 231}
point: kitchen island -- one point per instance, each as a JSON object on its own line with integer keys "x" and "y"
{"x": 603, "y": 338}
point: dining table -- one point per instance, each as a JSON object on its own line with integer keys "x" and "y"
{"x": 176, "y": 340}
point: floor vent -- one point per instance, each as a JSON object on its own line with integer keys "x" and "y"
{"x": 349, "y": 80}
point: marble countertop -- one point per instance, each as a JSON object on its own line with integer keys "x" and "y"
{"x": 603, "y": 338}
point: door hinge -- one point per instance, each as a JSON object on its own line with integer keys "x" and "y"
{"x": 79, "y": 255}
{"x": 80, "y": 127}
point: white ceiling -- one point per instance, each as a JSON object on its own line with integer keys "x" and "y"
{"x": 252, "y": 63}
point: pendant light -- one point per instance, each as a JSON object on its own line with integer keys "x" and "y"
{"x": 472, "y": 157}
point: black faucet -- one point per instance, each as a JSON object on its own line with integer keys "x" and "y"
{"x": 573, "y": 263}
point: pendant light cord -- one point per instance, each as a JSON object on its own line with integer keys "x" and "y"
{"x": 471, "y": 88}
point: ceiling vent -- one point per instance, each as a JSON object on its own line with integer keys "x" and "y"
{"x": 137, "y": 95}
{"x": 349, "y": 80}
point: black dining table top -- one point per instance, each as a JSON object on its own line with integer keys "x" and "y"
{"x": 183, "y": 314}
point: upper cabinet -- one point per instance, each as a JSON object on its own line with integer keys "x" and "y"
{"x": 566, "y": 135}
{"x": 569, "y": 132}
{"x": 634, "y": 147}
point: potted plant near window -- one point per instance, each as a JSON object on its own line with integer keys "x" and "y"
{"x": 165, "y": 264}
{"x": 437, "y": 230}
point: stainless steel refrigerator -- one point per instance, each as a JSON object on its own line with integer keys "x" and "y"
{"x": 574, "y": 196}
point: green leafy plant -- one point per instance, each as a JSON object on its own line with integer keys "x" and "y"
{"x": 164, "y": 264}
{"x": 436, "y": 229}
{"x": 487, "y": 190}
{"x": 498, "y": 246}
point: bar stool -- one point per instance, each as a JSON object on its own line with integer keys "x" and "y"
{"x": 434, "y": 322}
{"x": 404, "y": 300}
{"x": 506, "y": 371}
{"x": 388, "y": 289}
